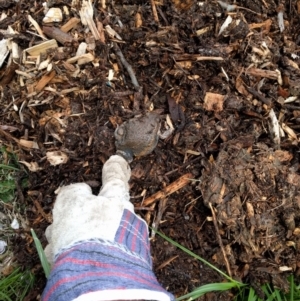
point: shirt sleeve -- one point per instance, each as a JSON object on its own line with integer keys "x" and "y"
{"x": 100, "y": 269}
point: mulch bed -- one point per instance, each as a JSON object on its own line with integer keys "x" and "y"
{"x": 233, "y": 95}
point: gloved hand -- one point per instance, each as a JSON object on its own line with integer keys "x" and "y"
{"x": 98, "y": 246}
{"x": 79, "y": 215}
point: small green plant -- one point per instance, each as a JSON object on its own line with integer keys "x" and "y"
{"x": 42, "y": 256}
{"x": 7, "y": 181}
{"x": 15, "y": 286}
{"x": 271, "y": 293}
{"x": 8, "y": 168}
{"x": 245, "y": 292}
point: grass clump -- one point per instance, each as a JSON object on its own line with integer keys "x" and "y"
{"x": 271, "y": 293}
{"x": 15, "y": 286}
{"x": 8, "y": 168}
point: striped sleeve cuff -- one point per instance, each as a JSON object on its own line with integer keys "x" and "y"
{"x": 102, "y": 270}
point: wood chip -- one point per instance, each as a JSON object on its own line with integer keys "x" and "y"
{"x": 42, "y": 48}
{"x": 213, "y": 102}
{"x": 81, "y": 59}
{"x": 44, "y": 81}
{"x": 262, "y": 73}
{"x": 72, "y": 23}
{"x": 54, "y": 14}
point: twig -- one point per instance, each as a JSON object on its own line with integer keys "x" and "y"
{"x": 154, "y": 11}
{"x": 57, "y": 34}
{"x": 249, "y": 10}
{"x": 176, "y": 185}
{"x": 161, "y": 210}
{"x": 258, "y": 95}
{"x": 127, "y": 66}
{"x": 37, "y": 27}
{"x": 262, "y": 73}
{"x": 143, "y": 208}
{"x": 163, "y": 16}
{"x": 37, "y": 202}
{"x": 219, "y": 239}
{"x": 184, "y": 165}
{"x": 101, "y": 31}
{"x": 168, "y": 261}
{"x": 37, "y": 35}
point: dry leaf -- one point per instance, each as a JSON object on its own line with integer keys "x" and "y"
{"x": 240, "y": 86}
{"x": 28, "y": 144}
{"x": 57, "y": 157}
{"x": 32, "y": 166}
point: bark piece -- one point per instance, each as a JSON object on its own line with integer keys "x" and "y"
{"x": 213, "y": 102}
{"x": 57, "y": 34}
{"x": 262, "y": 73}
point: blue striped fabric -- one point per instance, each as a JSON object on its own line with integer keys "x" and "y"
{"x": 98, "y": 265}
{"x": 133, "y": 233}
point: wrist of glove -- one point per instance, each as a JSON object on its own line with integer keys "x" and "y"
{"x": 126, "y": 154}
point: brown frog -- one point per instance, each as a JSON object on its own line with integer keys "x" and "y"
{"x": 139, "y": 136}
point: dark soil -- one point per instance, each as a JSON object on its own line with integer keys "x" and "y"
{"x": 223, "y": 135}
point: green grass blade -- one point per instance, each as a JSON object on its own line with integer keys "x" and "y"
{"x": 292, "y": 287}
{"x": 239, "y": 284}
{"x": 9, "y": 167}
{"x": 16, "y": 285}
{"x": 42, "y": 256}
{"x": 252, "y": 295}
{"x": 212, "y": 287}
{"x": 4, "y": 297}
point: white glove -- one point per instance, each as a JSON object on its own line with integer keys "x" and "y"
{"x": 94, "y": 216}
